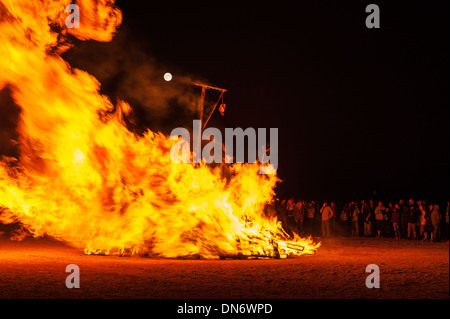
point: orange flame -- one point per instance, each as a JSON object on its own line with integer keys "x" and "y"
{"x": 83, "y": 178}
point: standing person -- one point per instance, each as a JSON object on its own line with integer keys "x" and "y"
{"x": 379, "y": 216}
{"x": 435, "y": 222}
{"x": 428, "y": 225}
{"x": 318, "y": 220}
{"x": 270, "y": 210}
{"x": 361, "y": 218}
{"x": 367, "y": 220}
{"x": 302, "y": 216}
{"x": 281, "y": 214}
{"x": 290, "y": 216}
{"x": 342, "y": 222}
{"x": 327, "y": 213}
{"x": 412, "y": 219}
{"x": 403, "y": 219}
{"x": 333, "y": 219}
{"x": 447, "y": 222}
{"x": 395, "y": 221}
{"x": 350, "y": 219}
{"x": 355, "y": 221}
{"x": 422, "y": 220}
{"x": 309, "y": 219}
{"x": 387, "y": 220}
{"x": 373, "y": 223}
{"x": 298, "y": 216}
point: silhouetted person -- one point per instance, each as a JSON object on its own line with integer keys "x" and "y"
{"x": 388, "y": 230}
{"x": 367, "y": 220}
{"x": 309, "y": 219}
{"x": 372, "y": 217}
{"x": 290, "y": 206}
{"x": 361, "y": 218}
{"x": 343, "y": 218}
{"x": 403, "y": 219}
{"x": 333, "y": 219}
{"x": 421, "y": 211}
{"x": 355, "y": 220}
{"x": 412, "y": 219}
{"x": 395, "y": 221}
{"x": 327, "y": 213}
{"x": 435, "y": 222}
{"x": 317, "y": 220}
{"x": 447, "y": 223}
{"x": 379, "y": 216}
{"x": 281, "y": 213}
{"x": 428, "y": 225}
{"x": 298, "y": 217}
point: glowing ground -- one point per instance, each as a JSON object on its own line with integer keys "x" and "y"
{"x": 408, "y": 269}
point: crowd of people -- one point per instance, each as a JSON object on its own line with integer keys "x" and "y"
{"x": 399, "y": 220}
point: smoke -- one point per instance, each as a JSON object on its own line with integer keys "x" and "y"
{"x": 128, "y": 71}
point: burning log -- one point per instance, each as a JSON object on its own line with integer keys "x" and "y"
{"x": 258, "y": 247}
{"x": 252, "y": 247}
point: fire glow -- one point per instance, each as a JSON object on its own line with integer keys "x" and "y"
{"x": 83, "y": 178}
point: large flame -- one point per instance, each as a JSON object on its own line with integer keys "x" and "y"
{"x": 82, "y": 177}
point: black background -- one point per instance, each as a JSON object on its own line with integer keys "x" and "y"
{"x": 362, "y": 113}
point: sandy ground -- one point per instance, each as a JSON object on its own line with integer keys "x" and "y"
{"x": 408, "y": 269}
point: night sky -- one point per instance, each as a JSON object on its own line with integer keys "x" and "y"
{"x": 358, "y": 110}
{"x": 362, "y": 113}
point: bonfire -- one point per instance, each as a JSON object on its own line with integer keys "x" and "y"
{"x": 84, "y": 178}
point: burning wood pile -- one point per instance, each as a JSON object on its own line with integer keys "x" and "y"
{"x": 261, "y": 246}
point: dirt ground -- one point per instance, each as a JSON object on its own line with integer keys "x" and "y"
{"x": 408, "y": 269}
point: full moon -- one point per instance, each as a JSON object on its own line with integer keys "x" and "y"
{"x": 167, "y": 76}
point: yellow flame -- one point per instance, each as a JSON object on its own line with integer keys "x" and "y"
{"x": 84, "y": 178}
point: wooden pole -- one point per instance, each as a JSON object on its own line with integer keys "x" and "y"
{"x": 202, "y": 101}
{"x": 210, "y": 114}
